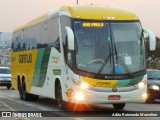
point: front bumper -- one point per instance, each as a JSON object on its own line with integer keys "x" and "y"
{"x": 92, "y": 97}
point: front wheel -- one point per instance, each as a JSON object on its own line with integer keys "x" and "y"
{"x": 119, "y": 106}
{"x": 61, "y": 103}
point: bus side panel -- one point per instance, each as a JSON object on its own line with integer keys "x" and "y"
{"x": 53, "y": 71}
{"x": 23, "y": 66}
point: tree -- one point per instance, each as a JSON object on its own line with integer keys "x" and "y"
{"x": 153, "y": 57}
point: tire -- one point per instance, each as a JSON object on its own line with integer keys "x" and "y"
{"x": 61, "y": 103}
{"x": 25, "y": 96}
{"x": 8, "y": 87}
{"x": 119, "y": 106}
{"x": 20, "y": 91}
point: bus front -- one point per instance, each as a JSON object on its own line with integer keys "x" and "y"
{"x": 109, "y": 61}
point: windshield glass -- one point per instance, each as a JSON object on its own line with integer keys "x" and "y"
{"x": 5, "y": 71}
{"x": 153, "y": 75}
{"x": 129, "y": 45}
{"x": 96, "y": 49}
{"x": 93, "y": 46}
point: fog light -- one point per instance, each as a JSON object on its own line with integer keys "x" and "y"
{"x": 144, "y": 95}
{"x": 79, "y": 96}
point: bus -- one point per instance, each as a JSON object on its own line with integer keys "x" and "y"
{"x": 81, "y": 55}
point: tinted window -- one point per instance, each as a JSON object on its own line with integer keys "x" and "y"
{"x": 42, "y": 35}
{"x": 54, "y": 34}
{"x": 153, "y": 74}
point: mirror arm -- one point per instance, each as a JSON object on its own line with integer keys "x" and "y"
{"x": 70, "y": 39}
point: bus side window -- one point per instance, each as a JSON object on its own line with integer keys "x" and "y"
{"x": 54, "y": 40}
{"x": 66, "y": 21}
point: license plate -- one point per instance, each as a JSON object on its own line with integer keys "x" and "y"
{"x": 114, "y": 97}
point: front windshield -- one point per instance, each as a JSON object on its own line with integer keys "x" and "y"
{"x": 129, "y": 45}
{"x": 109, "y": 48}
{"x": 93, "y": 46}
{"x": 153, "y": 75}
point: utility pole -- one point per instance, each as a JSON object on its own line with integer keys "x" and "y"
{"x": 77, "y": 2}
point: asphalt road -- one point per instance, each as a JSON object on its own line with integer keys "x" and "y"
{"x": 49, "y": 107}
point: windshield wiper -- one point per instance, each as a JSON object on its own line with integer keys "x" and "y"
{"x": 118, "y": 57}
{"x": 106, "y": 61}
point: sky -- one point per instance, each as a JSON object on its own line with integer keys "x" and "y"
{"x": 14, "y": 13}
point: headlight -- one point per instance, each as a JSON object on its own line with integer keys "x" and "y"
{"x": 141, "y": 84}
{"x": 154, "y": 87}
{"x": 84, "y": 85}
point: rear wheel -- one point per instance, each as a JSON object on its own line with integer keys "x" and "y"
{"x": 20, "y": 91}
{"x": 25, "y": 96}
{"x": 119, "y": 106}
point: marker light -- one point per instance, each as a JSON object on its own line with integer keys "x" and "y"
{"x": 84, "y": 85}
{"x": 79, "y": 96}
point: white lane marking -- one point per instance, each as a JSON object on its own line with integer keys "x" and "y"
{"x": 7, "y": 106}
{"x": 21, "y": 102}
{"x": 42, "y": 108}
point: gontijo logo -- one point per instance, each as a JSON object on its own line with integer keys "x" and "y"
{"x": 25, "y": 58}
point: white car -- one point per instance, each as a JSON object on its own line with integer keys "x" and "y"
{"x": 5, "y": 77}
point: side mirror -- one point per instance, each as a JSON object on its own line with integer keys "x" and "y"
{"x": 152, "y": 39}
{"x": 70, "y": 37}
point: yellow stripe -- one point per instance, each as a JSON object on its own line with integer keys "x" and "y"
{"x": 99, "y": 83}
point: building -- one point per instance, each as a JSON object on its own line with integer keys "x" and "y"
{"x": 5, "y": 46}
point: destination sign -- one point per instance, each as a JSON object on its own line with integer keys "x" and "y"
{"x": 93, "y": 24}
